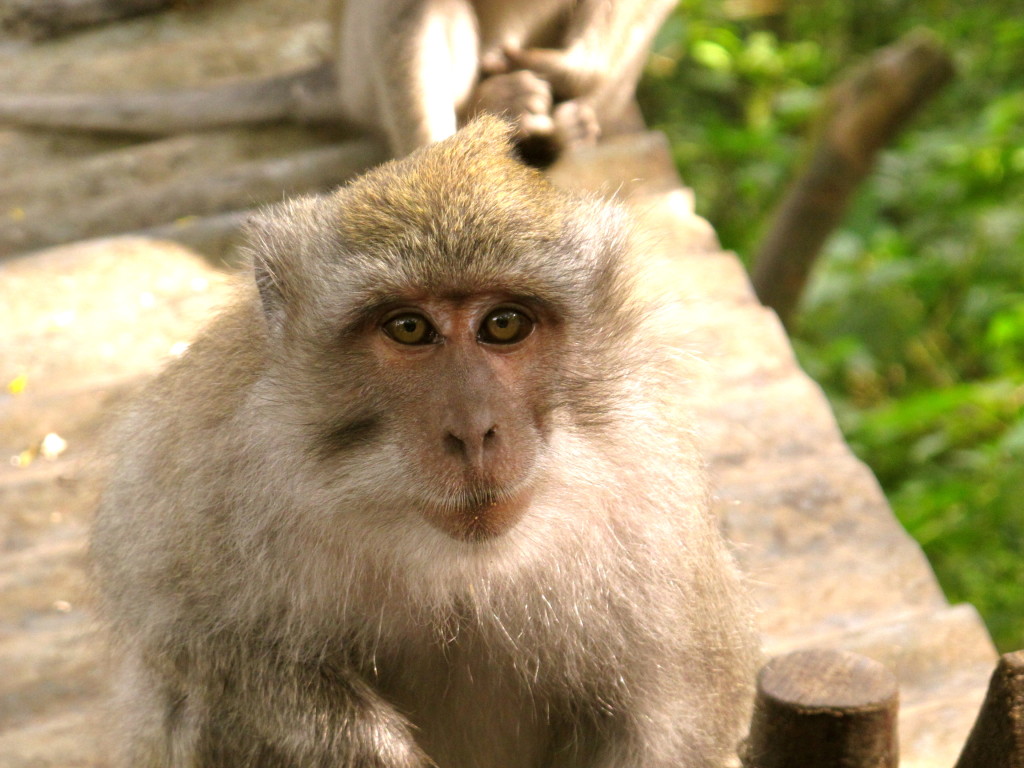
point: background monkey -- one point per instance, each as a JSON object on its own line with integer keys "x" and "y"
{"x": 413, "y": 499}
{"x": 411, "y": 71}
{"x": 559, "y": 69}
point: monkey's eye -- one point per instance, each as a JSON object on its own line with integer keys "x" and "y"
{"x": 410, "y": 329}
{"x": 505, "y": 326}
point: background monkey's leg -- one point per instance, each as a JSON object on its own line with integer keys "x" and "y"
{"x": 409, "y": 68}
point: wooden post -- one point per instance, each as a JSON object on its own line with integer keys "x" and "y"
{"x": 823, "y": 709}
{"x": 997, "y": 739}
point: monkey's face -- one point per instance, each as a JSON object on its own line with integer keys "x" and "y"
{"x": 435, "y": 326}
{"x": 431, "y": 405}
{"x": 462, "y": 390}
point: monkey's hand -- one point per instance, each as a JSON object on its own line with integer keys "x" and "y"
{"x": 284, "y": 713}
{"x": 570, "y": 71}
{"x": 521, "y": 97}
{"x": 328, "y": 714}
{"x": 576, "y": 124}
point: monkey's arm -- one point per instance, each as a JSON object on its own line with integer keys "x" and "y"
{"x": 405, "y": 67}
{"x": 264, "y": 711}
{"x": 606, "y": 44}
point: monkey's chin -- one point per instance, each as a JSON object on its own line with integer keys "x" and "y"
{"x": 480, "y": 519}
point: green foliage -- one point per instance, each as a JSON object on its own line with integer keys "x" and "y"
{"x": 914, "y": 320}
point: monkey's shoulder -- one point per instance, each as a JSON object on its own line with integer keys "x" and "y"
{"x": 190, "y": 407}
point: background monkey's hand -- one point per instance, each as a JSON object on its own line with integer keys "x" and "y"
{"x": 569, "y": 71}
{"x": 522, "y": 97}
{"x": 575, "y": 124}
{"x": 540, "y": 91}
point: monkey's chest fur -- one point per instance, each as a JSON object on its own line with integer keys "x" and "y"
{"x": 482, "y": 692}
{"x": 469, "y": 712}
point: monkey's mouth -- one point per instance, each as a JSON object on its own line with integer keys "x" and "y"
{"x": 479, "y": 515}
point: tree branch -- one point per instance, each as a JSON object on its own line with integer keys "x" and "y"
{"x": 863, "y": 113}
{"x": 40, "y": 19}
{"x": 243, "y": 186}
{"x": 304, "y": 96}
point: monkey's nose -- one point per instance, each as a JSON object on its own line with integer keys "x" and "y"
{"x": 471, "y": 444}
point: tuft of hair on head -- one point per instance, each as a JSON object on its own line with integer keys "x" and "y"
{"x": 377, "y": 206}
{"x": 464, "y": 209}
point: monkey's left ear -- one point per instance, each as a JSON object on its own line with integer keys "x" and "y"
{"x": 271, "y": 293}
{"x": 264, "y": 245}
{"x": 265, "y": 270}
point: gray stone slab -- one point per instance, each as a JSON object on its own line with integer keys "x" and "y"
{"x": 627, "y": 166}
{"x": 71, "y": 739}
{"x": 45, "y": 504}
{"x": 100, "y": 311}
{"x": 186, "y": 46}
{"x": 670, "y": 216}
{"x": 46, "y": 673}
{"x": 90, "y": 320}
{"x": 782, "y": 416}
{"x": 44, "y": 587}
{"x": 821, "y": 544}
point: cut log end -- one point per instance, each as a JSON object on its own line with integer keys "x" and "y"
{"x": 823, "y": 707}
{"x": 997, "y": 739}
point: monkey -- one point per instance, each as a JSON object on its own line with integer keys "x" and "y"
{"x": 412, "y": 71}
{"x": 558, "y": 70}
{"x": 416, "y": 498}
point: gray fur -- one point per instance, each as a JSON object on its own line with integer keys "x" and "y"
{"x": 275, "y": 599}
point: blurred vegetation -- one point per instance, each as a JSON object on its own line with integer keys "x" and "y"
{"x": 914, "y": 319}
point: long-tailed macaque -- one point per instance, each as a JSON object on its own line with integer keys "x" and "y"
{"x": 412, "y": 71}
{"x": 559, "y": 69}
{"x": 416, "y": 499}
